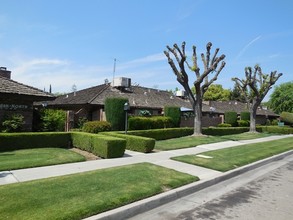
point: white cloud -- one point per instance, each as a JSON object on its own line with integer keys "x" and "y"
{"x": 247, "y": 46}
{"x": 62, "y": 74}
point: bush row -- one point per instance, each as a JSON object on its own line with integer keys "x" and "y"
{"x": 276, "y": 129}
{"x": 15, "y": 141}
{"x": 163, "y": 134}
{"x": 217, "y": 131}
{"x": 100, "y": 145}
{"x": 135, "y": 143}
{"x": 144, "y": 123}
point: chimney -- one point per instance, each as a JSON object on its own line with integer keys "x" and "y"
{"x": 5, "y": 73}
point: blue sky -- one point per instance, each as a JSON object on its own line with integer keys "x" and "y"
{"x": 65, "y": 42}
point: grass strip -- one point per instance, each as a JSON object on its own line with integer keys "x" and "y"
{"x": 231, "y": 158}
{"x": 190, "y": 141}
{"x": 186, "y": 142}
{"x": 81, "y": 195}
{"x": 27, "y": 158}
{"x": 246, "y": 136}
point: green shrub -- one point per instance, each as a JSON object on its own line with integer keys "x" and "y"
{"x": 100, "y": 145}
{"x": 274, "y": 122}
{"x": 80, "y": 122}
{"x": 215, "y": 131}
{"x": 245, "y": 116}
{"x": 145, "y": 123}
{"x": 276, "y": 129}
{"x": 174, "y": 113}
{"x": 224, "y": 125}
{"x": 82, "y": 140}
{"x": 243, "y": 123}
{"x": 13, "y": 123}
{"x": 53, "y": 120}
{"x": 287, "y": 117}
{"x": 115, "y": 114}
{"x": 135, "y": 143}
{"x": 15, "y": 141}
{"x": 96, "y": 126}
{"x": 231, "y": 118}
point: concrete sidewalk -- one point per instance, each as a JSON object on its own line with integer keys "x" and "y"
{"x": 160, "y": 158}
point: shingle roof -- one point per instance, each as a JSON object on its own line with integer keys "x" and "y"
{"x": 224, "y": 106}
{"x": 84, "y": 96}
{"x": 8, "y": 86}
{"x": 139, "y": 97}
{"x": 142, "y": 97}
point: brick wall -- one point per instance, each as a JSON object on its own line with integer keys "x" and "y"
{"x": 15, "y": 104}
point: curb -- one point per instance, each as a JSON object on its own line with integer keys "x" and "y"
{"x": 147, "y": 204}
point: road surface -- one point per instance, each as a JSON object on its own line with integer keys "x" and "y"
{"x": 263, "y": 194}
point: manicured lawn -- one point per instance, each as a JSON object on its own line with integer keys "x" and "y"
{"x": 81, "y": 195}
{"x": 189, "y": 141}
{"x": 185, "y": 142}
{"x": 231, "y": 158}
{"x": 246, "y": 136}
{"x": 18, "y": 159}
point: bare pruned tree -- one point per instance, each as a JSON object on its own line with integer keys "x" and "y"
{"x": 254, "y": 88}
{"x": 202, "y": 81}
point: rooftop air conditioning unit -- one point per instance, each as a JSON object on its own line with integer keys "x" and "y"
{"x": 121, "y": 82}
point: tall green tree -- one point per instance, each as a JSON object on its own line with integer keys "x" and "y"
{"x": 281, "y": 100}
{"x": 212, "y": 64}
{"x": 237, "y": 94}
{"x": 255, "y": 87}
{"x": 216, "y": 92}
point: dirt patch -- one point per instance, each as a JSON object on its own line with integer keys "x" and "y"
{"x": 87, "y": 155}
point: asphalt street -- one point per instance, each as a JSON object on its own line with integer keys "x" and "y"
{"x": 265, "y": 193}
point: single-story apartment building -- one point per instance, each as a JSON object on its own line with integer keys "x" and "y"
{"x": 89, "y": 103}
{"x": 17, "y": 98}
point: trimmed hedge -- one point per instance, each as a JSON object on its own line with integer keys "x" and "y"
{"x": 224, "y": 125}
{"x": 276, "y": 129}
{"x": 135, "y": 143}
{"x": 15, "y": 141}
{"x": 216, "y": 131}
{"x": 243, "y": 123}
{"x": 163, "y": 134}
{"x": 174, "y": 113}
{"x": 100, "y": 145}
{"x": 114, "y": 109}
{"x": 231, "y": 118}
{"x": 245, "y": 116}
{"x": 96, "y": 126}
{"x": 145, "y": 123}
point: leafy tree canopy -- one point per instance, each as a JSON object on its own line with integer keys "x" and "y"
{"x": 217, "y": 92}
{"x": 281, "y": 100}
{"x": 237, "y": 95}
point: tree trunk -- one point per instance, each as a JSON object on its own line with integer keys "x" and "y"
{"x": 198, "y": 117}
{"x": 253, "y": 110}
